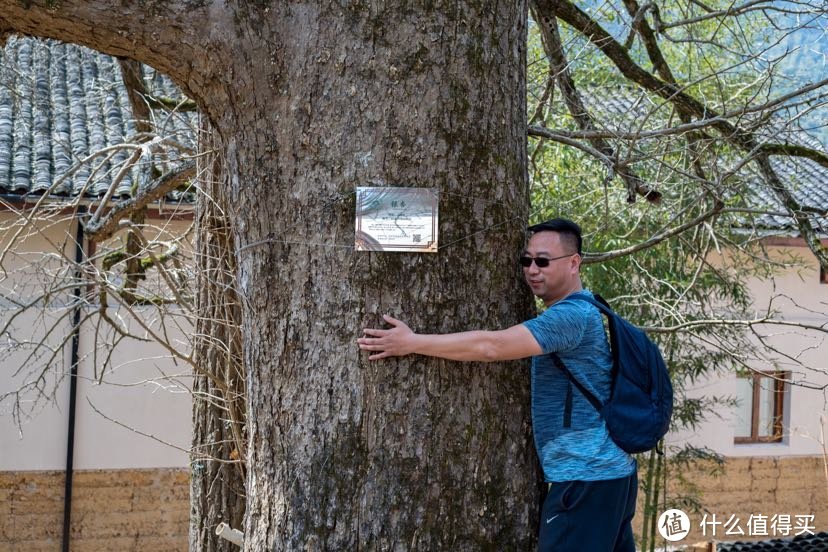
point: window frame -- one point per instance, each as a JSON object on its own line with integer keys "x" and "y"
{"x": 780, "y": 391}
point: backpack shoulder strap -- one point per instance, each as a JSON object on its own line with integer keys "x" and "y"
{"x": 596, "y": 300}
{"x": 593, "y": 400}
{"x": 603, "y": 307}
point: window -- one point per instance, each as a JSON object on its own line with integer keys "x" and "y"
{"x": 823, "y": 276}
{"x": 761, "y": 406}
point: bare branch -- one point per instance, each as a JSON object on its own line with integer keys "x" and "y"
{"x": 559, "y": 67}
{"x": 139, "y": 432}
{"x": 654, "y": 240}
{"x": 753, "y": 5}
{"x": 695, "y": 324}
{"x": 171, "y": 104}
{"x": 108, "y": 225}
{"x": 795, "y": 150}
{"x": 136, "y": 155}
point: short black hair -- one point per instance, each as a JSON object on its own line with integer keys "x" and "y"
{"x": 569, "y": 231}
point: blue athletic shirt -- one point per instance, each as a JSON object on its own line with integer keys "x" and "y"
{"x": 584, "y": 451}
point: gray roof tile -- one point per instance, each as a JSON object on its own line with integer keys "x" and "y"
{"x": 620, "y": 108}
{"x": 61, "y": 102}
{"x": 802, "y": 543}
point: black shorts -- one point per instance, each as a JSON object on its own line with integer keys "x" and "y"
{"x": 589, "y": 516}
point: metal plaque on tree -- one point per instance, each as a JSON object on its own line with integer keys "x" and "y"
{"x": 396, "y": 219}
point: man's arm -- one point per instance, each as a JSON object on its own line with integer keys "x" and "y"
{"x": 486, "y": 346}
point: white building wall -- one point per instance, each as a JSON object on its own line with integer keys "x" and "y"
{"x": 146, "y": 390}
{"x": 799, "y": 297}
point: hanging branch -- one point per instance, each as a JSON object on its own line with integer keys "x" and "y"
{"x": 686, "y": 104}
{"x": 566, "y": 84}
{"x": 590, "y": 258}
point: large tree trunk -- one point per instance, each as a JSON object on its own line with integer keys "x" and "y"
{"x": 403, "y": 454}
{"x": 308, "y": 101}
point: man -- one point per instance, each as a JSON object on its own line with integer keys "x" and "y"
{"x": 593, "y": 483}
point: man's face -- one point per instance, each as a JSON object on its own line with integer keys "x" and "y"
{"x": 560, "y": 277}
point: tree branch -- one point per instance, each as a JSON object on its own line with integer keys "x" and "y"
{"x": 661, "y": 66}
{"x": 564, "y": 139}
{"x": 102, "y": 229}
{"x": 693, "y": 324}
{"x": 171, "y": 104}
{"x": 148, "y": 435}
{"x": 753, "y": 5}
{"x": 133, "y": 77}
{"x": 795, "y": 150}
{"x": 590, "y": 258}
{"x": 559, "y": 66}
{"x": 169, "y": 37}
{"x": 684, "y": 103}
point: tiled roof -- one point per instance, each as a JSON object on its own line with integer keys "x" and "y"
{"x": 59, "y": 103}
{"x": 808, "y": 182}
{"x": 623, "y": 109}
{"x": 801, "y": 543}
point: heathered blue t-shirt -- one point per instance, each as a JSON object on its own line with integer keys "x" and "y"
{"x": 584, "y": 451}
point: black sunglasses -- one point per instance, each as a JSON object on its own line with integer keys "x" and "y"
{"x": 540, "y": 262}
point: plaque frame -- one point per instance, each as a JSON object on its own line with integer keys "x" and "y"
{"x": 396, "y": 219}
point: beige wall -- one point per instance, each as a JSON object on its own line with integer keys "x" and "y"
{"x": 799, "y": 297}
{"x": 146, "y": 389}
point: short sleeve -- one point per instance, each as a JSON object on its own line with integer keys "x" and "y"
{"x": 560, "y": 327}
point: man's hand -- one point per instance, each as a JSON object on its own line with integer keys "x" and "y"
{"x": 480, "y": 346}
{"x": 397, "y": 341}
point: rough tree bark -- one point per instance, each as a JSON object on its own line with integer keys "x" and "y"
{"x": 308, "y": 100}
{"x": 217, "y": 474}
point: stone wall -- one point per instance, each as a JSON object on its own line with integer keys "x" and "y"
{"x": 122, "y": 510}
{"x": 760, "y": 486}
{"x": 117, "y": 510}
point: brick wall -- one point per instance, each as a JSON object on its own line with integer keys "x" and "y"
{"x": 117, "y": 510}
{"x": 122, "y": 510}
{"x": 759, "y": 485}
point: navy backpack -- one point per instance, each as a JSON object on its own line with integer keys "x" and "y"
{"x": 638, "y": 410}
